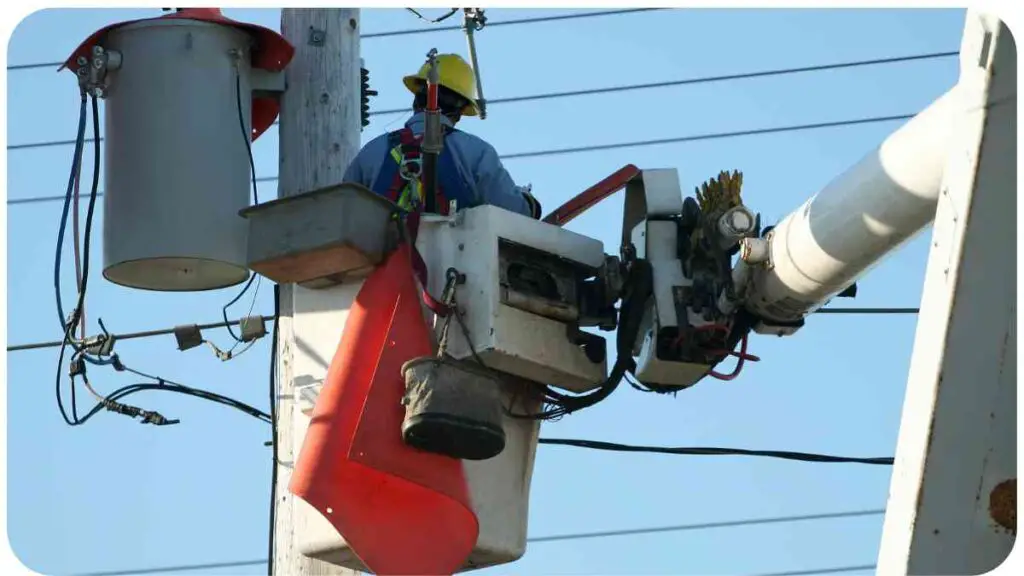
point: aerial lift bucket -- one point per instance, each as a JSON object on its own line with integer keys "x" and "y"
{"x": 399, "y": 510}
{"x": 392, "y": 503}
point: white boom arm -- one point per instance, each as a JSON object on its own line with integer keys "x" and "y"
{"x": 830, "y": 241}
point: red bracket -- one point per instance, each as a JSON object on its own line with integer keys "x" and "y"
{"x": 583, "y": 201}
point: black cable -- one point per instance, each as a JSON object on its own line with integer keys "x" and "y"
{"x": 246, "y": 136}
{"x": 224, "y": 310}
{"x": 429, "y": 30}
{"x": 634, "y": 144}
{"x": 434, "y": 20}
{"x": 255, "y": 198}
{"x": 70, "y": 326}
{"x": 273, "y": 428}
{"x": 554, "y": 538}
{"x": 626, "y": 87}
{"x": 168, "y": 386}
{"x": 875, "y": 311}
{"x": 785, "y": 455}
{"x": 76, "y": 167}
{"x": 177, "y": 387}
{"x": 90, "y": 212}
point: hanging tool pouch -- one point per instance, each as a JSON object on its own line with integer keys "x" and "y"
{"x": 452, "y": 407}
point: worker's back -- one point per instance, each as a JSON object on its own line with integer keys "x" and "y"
{"x": 469, "y": 169}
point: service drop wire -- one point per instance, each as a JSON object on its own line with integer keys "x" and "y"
{"x": 255, "y": 200}
{"x": 68, "y": 334}
{"x": 75, "y": 167}
{"x": 87, "y": 241}
{"x": 70, "y": 326}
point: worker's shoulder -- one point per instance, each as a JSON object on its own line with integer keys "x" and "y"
{"x": 472, "y": 142}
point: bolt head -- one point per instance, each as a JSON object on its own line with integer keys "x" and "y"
{"x": 740, "y": 220}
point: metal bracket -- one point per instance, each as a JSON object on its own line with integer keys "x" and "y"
{"x": 92, "y": 72}
{"x": 266, "y": 83}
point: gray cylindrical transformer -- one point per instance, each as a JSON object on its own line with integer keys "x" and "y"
{"x": 177, "y": 167}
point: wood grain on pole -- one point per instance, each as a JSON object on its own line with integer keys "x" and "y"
{"x": 318, "y": 137}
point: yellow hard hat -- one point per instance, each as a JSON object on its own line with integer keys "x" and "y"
{"x": 453, "y": 73}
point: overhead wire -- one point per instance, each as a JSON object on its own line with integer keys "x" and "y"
{"x": 633, "y": 144}
{"x": 551, "y": 538}
{"x": 826, "y": 570}
{"x": 632, "y": 87}
{"x": 129, "y": 335}
{"x": 437, "y": 20}
{"x": 428, "y": 30}
{"x": 705, "y": 451}
{"x": 701, "y": 80}
{"x": 169, "y": 331}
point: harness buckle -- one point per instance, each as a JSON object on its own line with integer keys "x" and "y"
{"x": 410, "y": 168}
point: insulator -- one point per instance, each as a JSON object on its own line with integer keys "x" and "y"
{"x": 364, "y": 96}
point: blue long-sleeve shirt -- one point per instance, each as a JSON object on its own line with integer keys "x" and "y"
{"x": 477, "y": 162}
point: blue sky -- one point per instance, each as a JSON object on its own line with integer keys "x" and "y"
{"x": 116, "y": 495}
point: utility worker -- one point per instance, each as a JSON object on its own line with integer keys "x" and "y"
{"x": 468, "y": 168}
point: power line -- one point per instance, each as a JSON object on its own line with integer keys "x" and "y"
{"x": 622, "y": 88}
{"x": 130, "y": 335}
{"x": 167, "y": 331}
{"x": 702, "y": 80}
{"x": 703, "y": 451}
{"x": 710, "y": 525}
{"x": 881, "y": 311}
{"x": 621, "y": 145}
{"x": 552, "y": 538}
{"x": 813, "y": 571}
{"x": 430, "y": 30}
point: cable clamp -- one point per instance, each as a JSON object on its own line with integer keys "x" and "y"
{"x": 77, "y": 366}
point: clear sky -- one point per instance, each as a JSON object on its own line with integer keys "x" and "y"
{"x": 116, "y": 495}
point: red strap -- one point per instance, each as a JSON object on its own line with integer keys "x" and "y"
{"x": 419, "y": 267}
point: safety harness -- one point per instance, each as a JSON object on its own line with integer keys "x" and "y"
{"x": 399, "y": 181}
{"x": 405, "y": 187}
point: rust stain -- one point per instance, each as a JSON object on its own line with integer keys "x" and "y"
{"x": 1002, "y": 505}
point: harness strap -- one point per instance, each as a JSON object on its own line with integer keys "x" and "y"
{"x": 405, "y": 150}
{"x": 419, "y": 267}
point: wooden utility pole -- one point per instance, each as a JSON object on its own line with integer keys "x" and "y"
{"x": 319, "y": 136}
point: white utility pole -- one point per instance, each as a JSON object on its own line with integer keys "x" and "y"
{"x": 953, "y": 495}
{"x": 319, "y": 136}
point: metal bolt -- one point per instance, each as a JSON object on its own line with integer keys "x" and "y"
{"x": 82, "y": 60}
{"x": 740, "y": 220}
{"x": 317, "y": 37}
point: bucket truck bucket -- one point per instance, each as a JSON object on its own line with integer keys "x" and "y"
{"x": 185, "y": 95}
{"x": 362, "y": 491}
